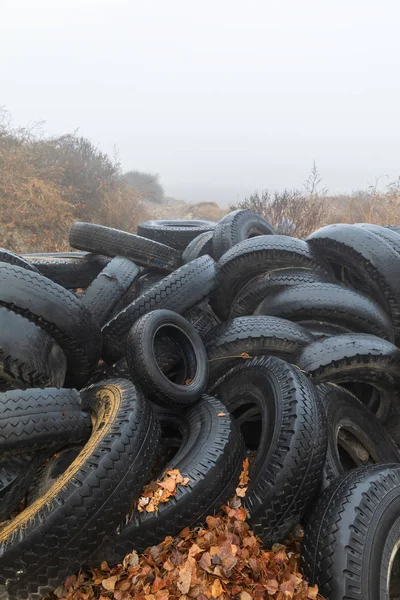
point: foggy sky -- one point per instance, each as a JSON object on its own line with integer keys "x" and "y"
{"x": 220, "y": 97}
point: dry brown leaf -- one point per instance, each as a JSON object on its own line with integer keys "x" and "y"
{"x": 216, "y": 589}
{"x": 109, "y": 583}
{"x": 312, "y": 593}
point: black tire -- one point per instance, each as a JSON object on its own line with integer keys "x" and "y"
{"x": 109, "y": 288}
{"x": 237, "y": 226}
{"x": 322, "y": 330}
{"x": 14, "y": 259}
{"x": 199, "y": 246}
{"x": 203, "y": 318}
{"x": 259, "y": 255}
{"x": 56, "y": 534}
{"x": 72, "y": 270}
{"x": 147, "y": 281}
{"x": 114, "y": 242}
{"x": 395, "y": 228}
{"x": 257, "y": 289}
{"x": 252, "y": 336}
{"x": 353, "y": 534}
{"x": 356, "y": 357}
{"x": 355, "y": 437}
{"x": 57, "y": 311}
{"x": 329, "y": 303}
{"x": 175, "y": 233}
{"x": 29, "y": 356}
{"x": 209, "y": 451}
{"x": 143, "y": 366}
{"x": 16, "y": 473}
{"x": 363, "y": 260}
{"x": 32, "y": 419}
{"x": 268, "y": 394}
{"x": 178, "y": 291}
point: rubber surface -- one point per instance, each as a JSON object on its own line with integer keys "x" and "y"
{"x": 31, "y": 419}
{"x": 329, "y": 303}
{"x": 29, "y": 356}
{"x": 210, "y": 453}
{"x": 259, "y": 255}
{"x": 178, "y": 291}
{"x": 203, "y": 318}
{"x": 15, "y": 259}
{"x": 199, "y": 246}
{"x": 70, "y": 269}
{"x": 355, "y": 436}
{"x": 257, "y": 289}
{"x": 252, "y": 336}
{"x": 114, "y": 242}
{"x": 356, "y": 357}
{"x": 350, "y": 538}
{"x": 145, "y": 370}
{"x": 364, "y": 260}
{"x": 290, "y": 454}
{"x": 176, "y": 233}
{"x": 237, "y": 226}
{"x": 109, "y": 288}
{"x": 56, "y": 534}
{"x": 57, "y": 311}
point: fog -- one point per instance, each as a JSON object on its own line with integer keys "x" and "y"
{"x": 218, "y": 97}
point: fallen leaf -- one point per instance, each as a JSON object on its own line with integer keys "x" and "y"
{"x": 109, "y": 584}
{"x": 216, "y": 589}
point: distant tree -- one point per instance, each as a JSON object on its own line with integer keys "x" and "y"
{"x": 147, "y": 184}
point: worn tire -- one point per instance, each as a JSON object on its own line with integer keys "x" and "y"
{"x": 114, "y": 242}
{"x": 56, "y": 534}
{"x": 352, "y": 534}
{"x": 356, "y": 357}
{"x": 257, "y": 289}
{"x": 109, "y": 288}
{"x": 16, "y": 473}
{"x": 203, "y": 318}
{"x": 176, "y": 233}
{"x": 143, "y": 366}
{"x": 237, "y": 226}
{"x": 329, "y": 303}
{"x": 252, "y": 336}
{"x": 57, "y": 311}
{"x": 29, "y": 356}
{"x": 322, "y": 330}
{"x": 355, "y": 437}
{"x": 35, "y": 418}
{"x": 72, "y": 270}
{"x": 15, "y": 259}
{"x": 259, "y": 255}
{"x": 287, "y": 467}
{"x": 210, "y": 454}
{"x": 199, "y": 246}
{"x": 178, "y": 291}
{"x": 363, "y": 260}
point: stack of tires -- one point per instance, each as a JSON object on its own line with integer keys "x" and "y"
{"x": 191, "y": 345}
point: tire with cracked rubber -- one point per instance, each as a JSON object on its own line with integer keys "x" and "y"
{"x": 209, "y": 450}
{"x": 364, "y": 261}
{"x": 109, "y": 288}
{"x": 350, "y": 546}
{"x": 179, "y": 291}
{"x": 259, "y": 255}
{"x": 176, "y": 233}
{"x": 356, "y": 357}
{"x": 114, "y": 242}
{"x": 258, "y": 288}
{"x": 329, "y": 303}
{"x": 237, "y": 226}
{"x": 59, "y": 532}
{"x": 29, "y": 356}
{"x": 281, "y": 420}
{"x": 245, "y": 337}
{"x": 145, "y": 371}
{"x": 57, "y": 311}
{"x": 355, "y": 436}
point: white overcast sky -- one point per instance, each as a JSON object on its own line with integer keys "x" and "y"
{"x": 220, "y": 97}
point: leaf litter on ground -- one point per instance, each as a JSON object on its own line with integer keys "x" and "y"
{"x": 221, "y": 560}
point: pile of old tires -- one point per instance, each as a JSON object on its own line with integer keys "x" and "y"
{"x": 190, "y": 345}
